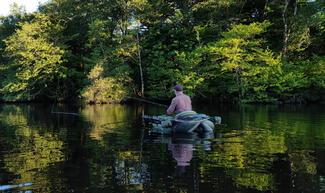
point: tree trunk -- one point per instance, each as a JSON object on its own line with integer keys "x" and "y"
{"x": 265, "y": 7}
{"x": 239, "y": 83}
{"x": 102, "y": 49}
{"x": 287, "y": 30}
{"x": 296, "y": 7}
{"x": 285, "y": 24}
{"x": 139, "y": 59}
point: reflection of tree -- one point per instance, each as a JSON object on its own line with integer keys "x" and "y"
{"x": 249, "y": 153}
{"x": 107, "y": 153}
{"x": 303, "y": 170}
{"x": 255, "y": 179}
{"x": 130, "y": 170}
{"x": 108, "y": 118}
{"x": 247, "y": 156}
{"x": 116, "y": 144}
{"x": 303, "y": 162}
{"x": 32, "y": 154}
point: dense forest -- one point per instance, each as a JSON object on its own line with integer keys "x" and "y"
{"x": 104, "y": 51}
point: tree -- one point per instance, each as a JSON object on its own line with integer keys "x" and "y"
{"x": 104, "y": 89}
{"x": 35, "y": 64}
{"x": 152, "y": 45}
{"x": 8, "y": 25}
{"x": 241, "y": 53}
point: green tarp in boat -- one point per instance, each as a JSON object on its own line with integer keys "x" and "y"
{"x": 185, "y": 122}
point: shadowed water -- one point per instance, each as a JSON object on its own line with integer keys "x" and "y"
{"x": 108, "y": 148}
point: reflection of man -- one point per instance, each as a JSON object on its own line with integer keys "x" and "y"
{"x": 182, "y": 153}
{"x": 179, "y": 103}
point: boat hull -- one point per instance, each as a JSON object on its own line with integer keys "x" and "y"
{"x": 192, "y": 126}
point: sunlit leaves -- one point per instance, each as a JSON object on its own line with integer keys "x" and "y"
{"x": 99, "y": 31}
{"x": 227, "y": 49}
{"x": 254, "y": 66}
{"x": 36, "y": 60}
{"x": 104, "y": 89}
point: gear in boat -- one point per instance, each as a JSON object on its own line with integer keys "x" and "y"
{"x": 184, "y": 122}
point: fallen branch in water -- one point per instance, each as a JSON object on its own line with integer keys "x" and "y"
{"x": 119, "y": 122}
{"x": 66, "y": 113}
{"x": 76, "y": 114}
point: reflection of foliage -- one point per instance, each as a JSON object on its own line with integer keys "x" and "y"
{"x": 255, "y": 179}
{"x": 128, "y": 168}
{"x": 32, "y": 158}
{"x": 110, "y": 137}
{"x": 39, "y": 154}
{"x": 108, "y": 118}
{"x": 109, "y": 155}
{"x": 32, "y": 153}
{"x": 247, "y": 156}
{"x": 303, "y": 162}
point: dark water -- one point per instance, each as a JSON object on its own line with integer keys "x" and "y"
{"x": 108, "y": 149}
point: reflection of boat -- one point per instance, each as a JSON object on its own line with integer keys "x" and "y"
{"x": 185, "y": 122}
{"x": 184, "y": 138}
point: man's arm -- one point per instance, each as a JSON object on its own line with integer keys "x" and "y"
{"x": 172, "y": 107}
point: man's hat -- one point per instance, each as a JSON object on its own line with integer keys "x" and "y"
{"x": 178, "y": 87}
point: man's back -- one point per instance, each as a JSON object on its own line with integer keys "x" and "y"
{"x": 179, "y": 104}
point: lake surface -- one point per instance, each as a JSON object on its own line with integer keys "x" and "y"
{"x": 107, "y": 148}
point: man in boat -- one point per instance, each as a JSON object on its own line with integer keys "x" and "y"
{"x": 180, "y": 103}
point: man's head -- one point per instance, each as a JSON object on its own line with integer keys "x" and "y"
{"x": 178, "y": 88}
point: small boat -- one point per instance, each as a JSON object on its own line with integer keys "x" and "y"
{"x": 185, "y": 122}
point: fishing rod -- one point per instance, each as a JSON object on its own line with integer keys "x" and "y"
{"x": 147, "y": 101}
{"x": 134, "y": 98}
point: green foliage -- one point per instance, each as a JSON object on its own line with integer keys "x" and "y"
{"x": 189, "y": 75}
{"x": 8, "y": 25}
{"x": 256, "y": 70}
{"x": 104, "y": 89}
{"x": 35, "y": 61}
{"x": 227, "y": 50}
{"x": 164, "y": 60}
{"x": 304, "y": 81}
